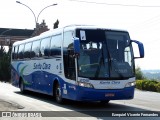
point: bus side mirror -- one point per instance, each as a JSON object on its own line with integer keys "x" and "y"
{"x": 76, "y": 46}
{"x": 141, "y": 48}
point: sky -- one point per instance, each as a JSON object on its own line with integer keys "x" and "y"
{"x": 141, "y": 18}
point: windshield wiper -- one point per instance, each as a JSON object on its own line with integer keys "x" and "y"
{"x": 100, "y": 64}
{"x": 109, "y": 60}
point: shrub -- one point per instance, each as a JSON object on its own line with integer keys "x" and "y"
{"x": 152, "y": 86}
{"x": 145, "y": 85}
{"x": 139, "y": 84}
{"x": 154, "y": 81}
{"x": 149, "y": 85}
{"x": 158, "y": 87}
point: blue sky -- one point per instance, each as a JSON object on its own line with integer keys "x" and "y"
{"x": 141, "y": 18}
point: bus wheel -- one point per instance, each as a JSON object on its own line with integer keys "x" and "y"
{"x": 58, "y": 94}
{"x": 22, "y": 87}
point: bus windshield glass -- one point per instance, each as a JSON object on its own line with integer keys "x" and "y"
{"x": 105, "y": 54}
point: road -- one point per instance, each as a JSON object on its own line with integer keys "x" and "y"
{"x": 12, "y": 100}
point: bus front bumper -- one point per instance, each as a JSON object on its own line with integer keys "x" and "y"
{"x": 88, "y": 94}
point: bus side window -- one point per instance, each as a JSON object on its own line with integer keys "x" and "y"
{"x": 27, "y": 50}
{"x": 35, "y": 49}
{"x": 56, "y": 45}
{"x": 45, "y": 47}
{"x": 20, "y": 52}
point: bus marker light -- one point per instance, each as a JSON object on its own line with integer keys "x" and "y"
{"x": 109, "y": 95}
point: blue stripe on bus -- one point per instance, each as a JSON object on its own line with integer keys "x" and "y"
{"x": 42, "y": 81}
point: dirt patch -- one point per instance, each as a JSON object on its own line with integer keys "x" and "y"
{"x": 8, "y": 106}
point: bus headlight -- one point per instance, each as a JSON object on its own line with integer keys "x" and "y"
{"x": 83, "y": 84}
{"x": 130, "y": 84}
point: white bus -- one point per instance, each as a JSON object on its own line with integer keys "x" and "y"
{"x": 82, "y": 63}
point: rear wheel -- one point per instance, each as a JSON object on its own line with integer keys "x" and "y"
{"x": 22, "y": 87}
{"x": 58, "y": 94}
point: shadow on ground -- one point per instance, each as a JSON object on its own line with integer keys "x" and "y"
{"x": 84, "y": 109}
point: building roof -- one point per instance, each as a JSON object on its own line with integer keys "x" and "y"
{"x": 15, "y": 32}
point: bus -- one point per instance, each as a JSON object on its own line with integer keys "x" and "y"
{"x": 77, "y": 62}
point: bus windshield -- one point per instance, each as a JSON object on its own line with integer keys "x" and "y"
{"x": 105, "y": 54}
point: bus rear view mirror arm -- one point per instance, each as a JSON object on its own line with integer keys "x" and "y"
{"x": 76, "y": 46}
{"x": 141, "y": 48}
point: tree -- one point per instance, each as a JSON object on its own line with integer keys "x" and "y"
{"x": 4, "y": 64}
{"x": 139, "y": 74}
{"x": 56, "y": 24}
{"x": 2, "y": 50}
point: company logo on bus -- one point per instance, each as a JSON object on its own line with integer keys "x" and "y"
{"x": 43, "y": 66}
{"x": 110, "y": 82}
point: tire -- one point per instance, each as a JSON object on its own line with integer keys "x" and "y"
{"x": 22, "y": 87}
{"x": 58, "y": 94}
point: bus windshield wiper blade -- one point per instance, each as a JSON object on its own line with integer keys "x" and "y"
{"x": 100, "y": 64}
{"x": 109, "y": 59}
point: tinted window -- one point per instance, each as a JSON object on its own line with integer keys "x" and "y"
{"x": 56, "y": 45}
{"x": 27, "y": 50}
{"x": 20, "y": 52}
{"x": 35, "y": 49}
{"x": 45, "y": 47}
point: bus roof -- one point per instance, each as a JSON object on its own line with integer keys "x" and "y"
{"x": 66, "y": 28}
{"x": 72, "y": 27}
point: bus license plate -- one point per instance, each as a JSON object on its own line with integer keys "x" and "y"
{"x": 109, "y": 95}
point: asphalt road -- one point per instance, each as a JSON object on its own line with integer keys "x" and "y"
{"x": 12, "y": 100}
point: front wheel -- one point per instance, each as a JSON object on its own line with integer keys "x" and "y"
{"x": 58, "y": 94}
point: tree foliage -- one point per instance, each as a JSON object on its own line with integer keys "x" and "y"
{"x": 56, "y": 24}
{"x": 149, "y": 85}
{"x": 4, "y": 65}
{"x": 139, "y": 74}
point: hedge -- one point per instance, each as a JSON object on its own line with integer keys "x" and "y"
{"x": 158, "y": 87}
{"x": 149, "y": 85}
